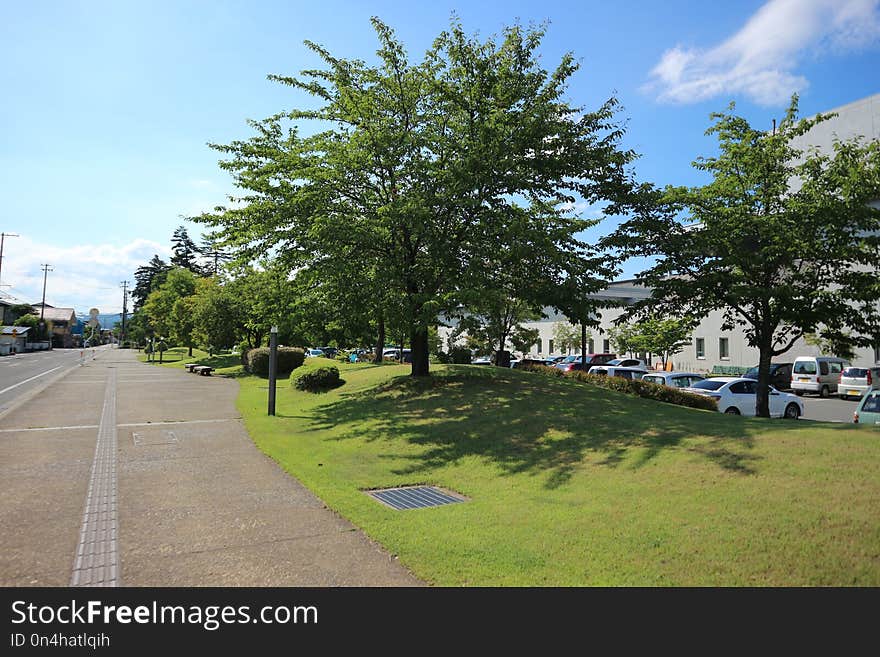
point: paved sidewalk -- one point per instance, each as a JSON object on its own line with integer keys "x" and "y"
{"x": 126, "y": 474}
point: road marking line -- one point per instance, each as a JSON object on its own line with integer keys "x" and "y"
{"x": 76, "y": 426}
{"x": 156, "y": 424}
{"x": 21, "y": 383}
{"x": 97, "y": 554}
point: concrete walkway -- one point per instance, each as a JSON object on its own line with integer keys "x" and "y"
{"x": 126, "y": 474}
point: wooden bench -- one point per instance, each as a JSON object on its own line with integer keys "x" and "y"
{"x": 204, "y": 370}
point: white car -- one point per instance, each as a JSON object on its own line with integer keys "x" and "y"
{"x": 312, "y": 353}
{"x": 628, "y": 362}
{"x": 614, "y": 370}
{"x": 737, "y": 396}
{"x": 673, "y": 379}
{"x": 856, "y": 381}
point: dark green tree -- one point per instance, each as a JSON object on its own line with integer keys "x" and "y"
{"x": 184, "y": 252}
{"x": 782, "y": 240}
{"x": 417, "y": 170}
{"x": 147, "y": 278}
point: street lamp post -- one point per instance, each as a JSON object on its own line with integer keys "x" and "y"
{"x": 3, "y": 237}
{"x": 273, "y": 366}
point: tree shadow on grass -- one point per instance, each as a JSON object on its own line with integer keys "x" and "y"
{"x": 526, "y": 423}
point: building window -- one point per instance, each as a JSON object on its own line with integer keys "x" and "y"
{"x": 606, "y": 347}
{"x": 591, "y": 348}
{"x": 550, "y": 347}
{"x": 701, "y": 347}
{"x": 538, "y": 346}
{"x": 723, "y": 349}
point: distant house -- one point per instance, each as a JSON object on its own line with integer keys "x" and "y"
{"x": 60, "y": 322}
{"x": 13, "y": 339}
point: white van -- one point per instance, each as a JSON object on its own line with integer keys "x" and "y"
{"x": 819, "y": 374}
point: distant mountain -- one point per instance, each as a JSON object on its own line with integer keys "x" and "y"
{"x": 107, "y": 320}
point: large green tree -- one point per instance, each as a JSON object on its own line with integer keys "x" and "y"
{"x": 425, "y": 174}
{"x": 782, "y": 240}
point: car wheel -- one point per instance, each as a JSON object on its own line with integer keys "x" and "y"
{"x": 824, "y": 393}
{"x": 799, "y": 393}
{"x": 732, "y": 411}
{"x": 792, "y": 412}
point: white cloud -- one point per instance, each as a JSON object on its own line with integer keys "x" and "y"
{"x": 83, "y": 276}
{"x": 759, "y": 61}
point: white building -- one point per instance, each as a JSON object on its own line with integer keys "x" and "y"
{"x": 710, "y": 346}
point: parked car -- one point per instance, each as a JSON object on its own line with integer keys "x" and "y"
{"x": 856, "y": 381}
{"x": 737, "y": 396}
{"x": 482, "y": 360}
{"x": 673, "y": 379}
{"x": 780, "y": 375}
{"x": 313, "y": 353}
{"x": 614, "y": 370}
{"x": 819, "y": 374}
{"x": 575, "y": 362}
{"x": 868, "y": 411}
{"x": 329, "y": 352}
{"x": 628, "y": 362}
{"x": 532, "y": 361}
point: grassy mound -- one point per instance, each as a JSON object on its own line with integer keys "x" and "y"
{"x": 570, "y": 484}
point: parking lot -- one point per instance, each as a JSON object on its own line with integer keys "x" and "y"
{"x": 832, "y": 409}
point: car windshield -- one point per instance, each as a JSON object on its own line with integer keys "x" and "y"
{"x": 616, "y": 361}
{"x": 805, "y": 367}
{"x": 855, "y": 373}
{"x": 872, "y": 404}
{"x": 708, "y": 384}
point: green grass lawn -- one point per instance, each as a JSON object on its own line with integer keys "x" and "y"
{"x": 569, "y": 484}
{"x": 223, "y": 363}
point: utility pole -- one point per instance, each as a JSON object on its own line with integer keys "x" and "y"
{"x": 3, "y": 237}
{"x": 46, "y": 269}
{"x": 124, "y": 310}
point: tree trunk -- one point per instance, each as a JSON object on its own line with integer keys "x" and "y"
{"x": 584, "y": 346}
{"x": 419, "y": 346}
{"x": 762, "y": 398}
{"x": 190, "y": 351}
{"x": 380, "y": 340}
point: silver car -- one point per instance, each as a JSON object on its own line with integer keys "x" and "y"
{"x": 673, "y": 379}
{"x": 856, "y": 381}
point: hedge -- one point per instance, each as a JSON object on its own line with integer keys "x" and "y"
{"x": 256, "y": 361}
{"x": 635, "y": 387}
{"x": 316, "y": 379}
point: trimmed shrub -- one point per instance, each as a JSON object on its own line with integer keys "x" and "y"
{"x": 317, "y": 379}
{"x": 635, "y": 387}
{"x": 460, "y": 356}
{"x": 257, "y": 360}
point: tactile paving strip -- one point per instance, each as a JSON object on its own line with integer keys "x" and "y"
{"x": 97, "y": 560}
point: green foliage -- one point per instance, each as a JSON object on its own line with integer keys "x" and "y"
{"x": 566, "y": 336}
{"x": 317, "y": 379}
{"x": 653, "y": 335}
{"x": 431, "y": 179}
{"x": 460, "y": 355}
{"x": 148, "y": 278}
{"x": 782, "y": 240}
{"x": 635, "y": 387}
{"x": 256, "y": 361}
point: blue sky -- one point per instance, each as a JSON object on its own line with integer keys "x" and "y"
{"x": 108, "y": 106}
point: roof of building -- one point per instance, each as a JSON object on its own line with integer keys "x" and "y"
{"x": 59, "y": 314}
{"x": 19, "y": 330}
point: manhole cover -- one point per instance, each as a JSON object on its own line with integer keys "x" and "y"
{"x": 413, "y": 497}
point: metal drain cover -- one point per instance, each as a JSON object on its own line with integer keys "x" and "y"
{"x": 413, "y": 497}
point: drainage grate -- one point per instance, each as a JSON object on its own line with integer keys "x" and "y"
{"x": 413, "y": 497}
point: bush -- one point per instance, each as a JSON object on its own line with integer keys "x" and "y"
{"x": 632, "y": 387}
{"x": 256, "y": 361}
{"x": 342, "y": 358}
{"x": 460, "y": 356}
{"x": 316, "y": 379}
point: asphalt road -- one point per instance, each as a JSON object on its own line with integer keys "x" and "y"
{"x": 832, "y": 409}
{"x": 21, "y": 374}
